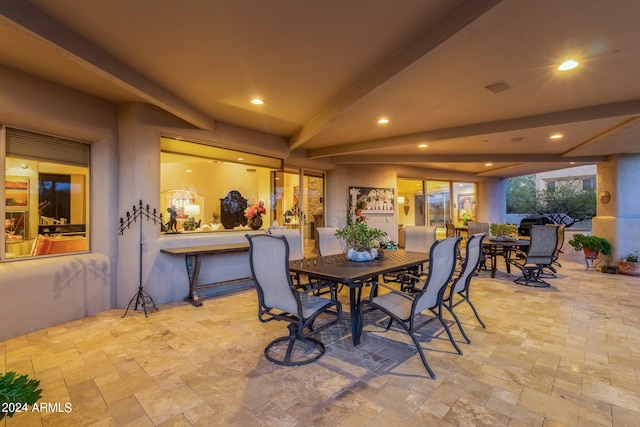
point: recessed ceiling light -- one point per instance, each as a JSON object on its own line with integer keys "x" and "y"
{"x": 257, "y": 101}
{"x": 422, "y": 145}
{"x": 556, "y": 136}
{"x": 488, "y": 164}
{"x": 383, "y": 121}
{"x": 567, "y": 65}
{"x": 188, "y": 170}
{"x": 240, "y": 158}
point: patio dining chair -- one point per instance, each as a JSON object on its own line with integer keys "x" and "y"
{"x": 460, "y": 286}
{"x": 408, "y": 309}
{"x": 418, "y": 238}
{"x": 279, "y": 299}
{"x": 476, "y": 228}
{"x": 328, "y": 243}
{"x": 539, "y": 256}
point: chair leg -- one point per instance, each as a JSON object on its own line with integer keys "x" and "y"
{"x": 473, "y": 307}
{"x": 459, "y": 324}
{"x": 316, "y": 351}
{"x": 424, "y": 359}
{"x": 446, "y": 328}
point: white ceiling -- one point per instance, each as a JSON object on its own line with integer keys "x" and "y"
{"x": 329, "y": 69}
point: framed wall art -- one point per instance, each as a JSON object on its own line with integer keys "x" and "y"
{"x": 17, "y": 191}
{"x": 372, "y": 200}
{"x": 466, "y": 207}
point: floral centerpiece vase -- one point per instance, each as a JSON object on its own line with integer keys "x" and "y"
{"x": 254, "y": 215}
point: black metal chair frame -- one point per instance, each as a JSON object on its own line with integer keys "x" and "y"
{"x": 300, "y": 327}
{"x": 538, "y": 257}
{"x": 460, "y": 285}
{"x": 409, "y": 324}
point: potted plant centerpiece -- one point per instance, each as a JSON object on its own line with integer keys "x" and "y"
{"x": 630, "y": 265}
{"x": 591, "y": 246}
{"x": 361, "y": 241}
{"x": 504, "y": 232}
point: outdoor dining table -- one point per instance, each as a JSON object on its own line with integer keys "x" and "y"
{"x": 493, "y": 247}
{"x": 355, "y": 275}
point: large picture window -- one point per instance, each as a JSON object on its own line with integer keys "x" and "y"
{"x": 46, "y": 192}
{"x": 209, "y": 189}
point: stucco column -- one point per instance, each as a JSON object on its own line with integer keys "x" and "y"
{"x": 618, "y": 205}
{"x": 492, "y": 200}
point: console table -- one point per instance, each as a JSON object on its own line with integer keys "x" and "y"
{"x": 193, "y": 257}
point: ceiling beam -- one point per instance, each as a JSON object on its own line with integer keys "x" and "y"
{"x": 463, "y": 158}
{"x": 619, "y": 109}
{"x": 91, "y": 56}
{"x": 462, "y": 15}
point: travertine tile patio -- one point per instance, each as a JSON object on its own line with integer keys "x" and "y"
{"x": 564, "y": 356}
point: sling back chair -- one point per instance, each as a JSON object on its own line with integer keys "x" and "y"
{"x": 417, "y": 238}
{"x": 460, "y": 285}
{"x": 538, "y": 257}
{"x": 476, "y": 228}
{"x": 279, "y": 299}
{"x": 406, "y": 309}
{"x": 551, "y": 270}
{"x": 328, "y": 243}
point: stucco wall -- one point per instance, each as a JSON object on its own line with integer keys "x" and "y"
{"x": 44, "y": 292}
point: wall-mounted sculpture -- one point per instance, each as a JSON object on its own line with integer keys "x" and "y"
{"x": 232, "y": 209}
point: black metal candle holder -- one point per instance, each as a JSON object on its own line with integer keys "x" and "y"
{"x": 141, "y": 298}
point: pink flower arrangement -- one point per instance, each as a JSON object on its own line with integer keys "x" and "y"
{"x": 256, "y": 210}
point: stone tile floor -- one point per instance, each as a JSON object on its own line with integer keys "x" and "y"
{"x": 564, "y": 356}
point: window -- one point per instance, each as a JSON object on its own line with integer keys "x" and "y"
{"x": 551, "y": 185}
{"x": 205, "y": 188}
{"x": 589, "y": 183}
{"x": 46, "y": 194}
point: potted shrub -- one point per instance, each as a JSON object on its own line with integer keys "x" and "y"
{"x": 503, "y": 232}
{"x": 590, "y": 245}
{"x": 630, "y": 265}
{"x": 361, "y": 241}
{"x": 17, "y": 392}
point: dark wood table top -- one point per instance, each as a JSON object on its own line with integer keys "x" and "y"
{"x": 208, "y": 250}
{"x": 336, "y": 268}
{"x": 489, "y": 242}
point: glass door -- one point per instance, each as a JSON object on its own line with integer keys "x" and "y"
{"x": 286, "y": 199}
{"x": 313, "y": 207}
{"x": 298, "y": 203}
{"x": 438, "y": 205}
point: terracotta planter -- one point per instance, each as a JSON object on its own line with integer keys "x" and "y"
{"x": 629, "y": 268}
{"x": 590, "y": 253}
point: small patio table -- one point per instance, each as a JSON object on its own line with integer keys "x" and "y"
{"x": 337, "y": 269}
{"x": 495, "y": 246}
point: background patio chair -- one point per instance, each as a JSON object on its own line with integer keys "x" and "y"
{"x": 476, "y": 228}
{"x": 418, "y": 238}
{"x": 328, "y": 243}
{"x": 279, "y": 299}
{"x": 538, "y": 257}
{"x": 407, "y": 309}
{"x": 460, "y": 285}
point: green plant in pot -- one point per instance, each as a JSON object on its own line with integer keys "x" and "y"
{"x": 630, "y": 265}
{"x": 17, "y": 392}
{"x": 591, "y": 246}
{"x": 503, "y": 232}
{"x": 362, "y": 242}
